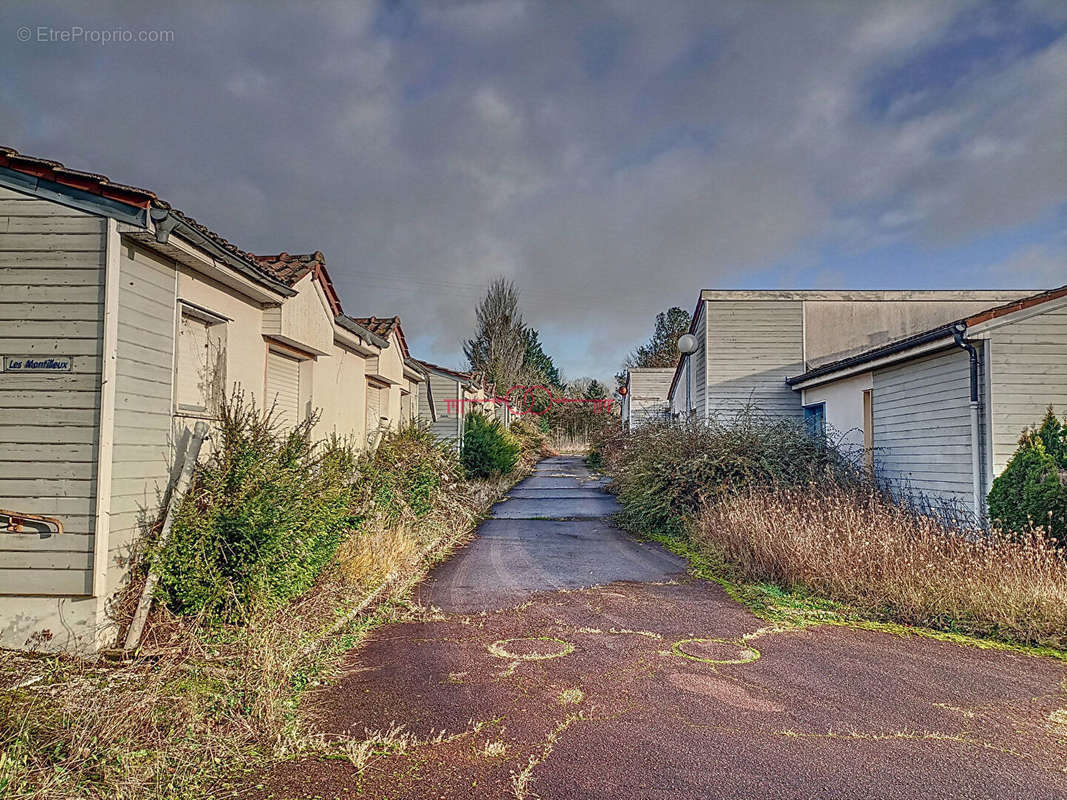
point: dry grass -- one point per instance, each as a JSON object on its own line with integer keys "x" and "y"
{"x": 202, "y": 702}
{"x": 862, "y": 550}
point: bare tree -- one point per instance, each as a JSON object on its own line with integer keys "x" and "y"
{"x": 498, "y": 347}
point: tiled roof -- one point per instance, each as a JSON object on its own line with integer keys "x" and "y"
{"x": 94, "y": 183}
{"x": 85, "y": 181}
{"x": 290, "y": 269}
{"x": 379, "y": 326}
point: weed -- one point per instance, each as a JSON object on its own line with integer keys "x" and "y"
{"x": 495, "y": 748}
{"x": 571, "y": 696}
{"x": 499, "y": 649}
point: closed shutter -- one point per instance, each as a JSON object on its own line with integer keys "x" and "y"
{"x": 283, "y": 387}
{"x": 374, "y": 407}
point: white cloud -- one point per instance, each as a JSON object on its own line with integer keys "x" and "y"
{"x": 613, "y": 157}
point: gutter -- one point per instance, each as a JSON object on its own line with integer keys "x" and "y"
{"x": 959, "y": 336}
{"x": 168, "y": 221}
{"x": 353, "y": 327}
{"x": 73, "y": 197}
{"x": 892, "y": 349}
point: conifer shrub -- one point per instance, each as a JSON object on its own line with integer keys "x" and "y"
{"x": 404, "y": 475}
{"x": 488, "y": 450}
{"x": 265, "y": 512}
{"x": 1032, "y": 489}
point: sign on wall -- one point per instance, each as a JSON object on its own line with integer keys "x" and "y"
{"x": 37, "y": 363}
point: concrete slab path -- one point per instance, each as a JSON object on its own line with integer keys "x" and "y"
{"x": 559, "y": 658}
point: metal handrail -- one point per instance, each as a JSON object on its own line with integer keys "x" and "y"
{"x": 15, "y": 520}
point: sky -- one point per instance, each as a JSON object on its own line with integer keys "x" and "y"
{"x": 611, "y": 158}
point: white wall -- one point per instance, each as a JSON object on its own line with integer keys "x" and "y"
{"x": 844, "y": 406}
{"x": 246, "y": 351}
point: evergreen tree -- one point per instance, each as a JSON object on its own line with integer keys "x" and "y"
{"x": 538, "y": 366}
{"x": 595, "y": 390}
{"x": 661, "y": 350}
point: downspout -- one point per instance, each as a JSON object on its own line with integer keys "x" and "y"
{"x": 976, "y": 459}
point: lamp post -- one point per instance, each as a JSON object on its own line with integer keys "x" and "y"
{"x": 687, "y": 344}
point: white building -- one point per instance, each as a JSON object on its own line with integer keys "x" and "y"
{"x": 646, "y": 395}
{"x": 122, "y": 323}
{"x": 940, "y": 412}
{"x": 749, "y": 342}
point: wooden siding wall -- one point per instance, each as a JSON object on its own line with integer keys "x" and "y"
{"x": 647, "y": 397}
{"x": 922, "y": 428}
{"x": 51, "y": 303}
{"x": 1028, "y": 373}
{"x": 700, "y": 364}
{"x": 143, "y": 455}
{"x": 445, "y": 389}
{"x": 753, "y": 346}
{"x": 425, "y": 415}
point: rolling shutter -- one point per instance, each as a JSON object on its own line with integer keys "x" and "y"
{"x": 283, "y": 387}
{"x": 374, "y": 407}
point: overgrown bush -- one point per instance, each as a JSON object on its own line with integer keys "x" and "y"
{"x": 574, "y": 426}
{"x": 666, "y": 472}
{"x": 530, "y": 435}
{"x": 209, "y": 700}
{"x": 488, "y": 450}
{"x": 770, "y": 504}
{"x": 264, "y": 514}
{"x": 1032, "y": 490}
{"x": 862, "y": 549}
{"x": 405, "y": 474}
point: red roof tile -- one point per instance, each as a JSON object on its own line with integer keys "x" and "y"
{"x": 383, "y": 326}
{"x": 91, "y": 182}
{"x": 290, "y": 269}
{"x": 94, "y": 183}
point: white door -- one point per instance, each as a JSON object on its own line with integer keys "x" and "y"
{"x": 283, "y": 387}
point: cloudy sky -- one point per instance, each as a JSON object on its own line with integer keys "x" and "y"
{"x": 612, "y": 158}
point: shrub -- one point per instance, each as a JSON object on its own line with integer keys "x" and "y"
{"x": 1032, "y": 490}
{"x": 488, "y": 450}
{"x": 533, "y": 443}
{"x": 861, "y": 549}
{"x": 404, "y": 474}
{"x": 264, "y": 514}
{"x": 666, "y": 472}
{"x": 575, "y": 426}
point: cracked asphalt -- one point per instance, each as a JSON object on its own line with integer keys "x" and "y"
{"x": 556, "y": 657}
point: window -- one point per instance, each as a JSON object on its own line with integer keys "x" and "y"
{"x": 200, "y": 367}
{"x": 815, "y": 419}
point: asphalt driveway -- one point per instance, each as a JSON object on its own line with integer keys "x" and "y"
{"x": 556, "y": 657}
